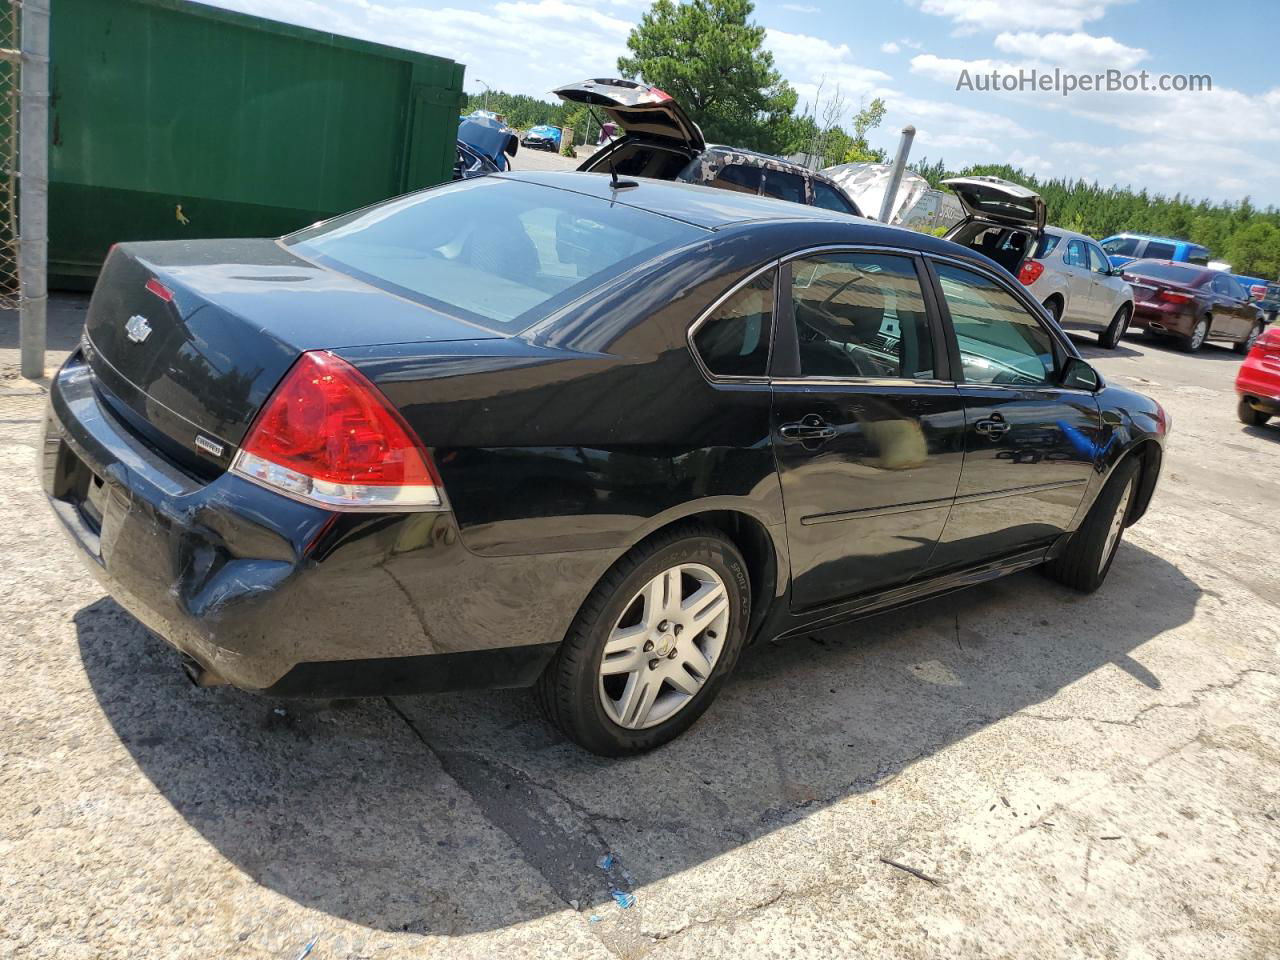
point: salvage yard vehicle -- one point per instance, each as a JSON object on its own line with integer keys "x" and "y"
{"x": 662, "y": 142}
{"x": 542, "y": 137}
{"x": 545, "y": 429}
{"x": 1192, "y": 304}
{"x": 1071, "y": 276}
{"x": 1003, "y": 220}
{"x": 1124, "y": 248}
{"x": 1258, "y": 382}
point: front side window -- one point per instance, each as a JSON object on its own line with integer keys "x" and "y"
{"x": 783, "y": 186}
{"x": 1122, "y": 246}
{"x": 1000, "y": 341}
{"x": 829, "y": 198}
{"x": 1075, "y": 255}
{"x": 1159, "y": 251}
{"x": 860, "y": 315}
{"x": 1098, "y": 261}
{"x": 1221, "y": 286}
{"x": 498, "y": 253}
{"x": 734, "y": 340}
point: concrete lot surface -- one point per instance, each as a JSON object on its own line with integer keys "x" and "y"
{"x": 1077, "y": 776}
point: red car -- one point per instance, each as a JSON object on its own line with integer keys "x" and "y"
{"x": 1258, "y": 382}
{"x": 1192, "y": 304}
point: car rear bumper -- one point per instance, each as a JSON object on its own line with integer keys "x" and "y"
{"x": 1259, "y": 386}
{"x": 278, "y": 596}
{"x": 1164, "y": 318}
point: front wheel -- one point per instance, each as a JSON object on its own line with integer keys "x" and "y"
{"x": 651, "y": 645}
{"x": 1084, "y": 562}
{"x": 1245, "y": 345}
{"x": 1110, "y": 337}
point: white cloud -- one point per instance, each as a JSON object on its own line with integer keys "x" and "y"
{"x": 973, "y": 15}
{"x": 808, "y": 62}
{"x": 889, "y": 47}
{"x": 1078, "y": 51}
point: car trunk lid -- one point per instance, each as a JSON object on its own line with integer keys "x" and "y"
{"x": 999, "y": 201}
{"x": 188, "y": 339}
{"x": 639, "y": 110}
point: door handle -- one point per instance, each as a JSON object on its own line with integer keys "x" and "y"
{"x": 993, "y": 427}
{"x": 809, "y": 427}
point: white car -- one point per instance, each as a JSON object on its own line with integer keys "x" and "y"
{"x": 1067, "y": 272}
{"x": 1072, "y": 277}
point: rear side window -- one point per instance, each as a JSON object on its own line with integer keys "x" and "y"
{"x": 1165, "y": 271}
{"x": 860, "y": 315}
{"x": 1159, "y": 251}
{"x": 734, "y": 340}
{"x": 999, "y": 339}
{"x": 737, "y": 177}
{"x": 829, "y": 198}
{"x": 1122, "y": 246}
{"x": 498, "y": 253}
{"x": 784, "y": 186}
{"x": 1048, "y": 243}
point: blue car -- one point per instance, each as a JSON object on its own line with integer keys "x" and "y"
{"x": 1126, "y": 247}
{"x": 487, "y": 138}
{"x": 1264, "y": 293}
{"x": 542, "y": 137}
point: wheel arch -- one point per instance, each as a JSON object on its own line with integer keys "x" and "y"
{"x": 1150, "y": 455}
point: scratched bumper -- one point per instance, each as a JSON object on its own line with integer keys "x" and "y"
{"x": 271, "y": 594}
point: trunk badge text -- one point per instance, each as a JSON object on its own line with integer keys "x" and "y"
{"x": 137, "y": 328}
{"x": 210, "y": 447}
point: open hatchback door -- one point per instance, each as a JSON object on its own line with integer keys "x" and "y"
{"x": 658, "y": 139}
{"x": 1003, "y": 220}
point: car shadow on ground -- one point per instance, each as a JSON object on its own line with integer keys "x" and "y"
{"x": 347, "y": 809}
{"x": 1088, "y": 346}
{"x": 1212, "y": 350}
{"x": 1268, "y": 431}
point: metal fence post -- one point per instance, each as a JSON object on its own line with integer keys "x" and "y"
{"x": 33, "y": 186}
{"x": 895, "y": 178}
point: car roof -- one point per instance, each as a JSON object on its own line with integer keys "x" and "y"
{"x": 697, "y": 204}
{"x": 1152, "y": 236}
{"x": 1068, "y": 234}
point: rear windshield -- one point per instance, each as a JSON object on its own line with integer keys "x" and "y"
{"x": 1165, "y": 271}
{"x": 500, "y": 253}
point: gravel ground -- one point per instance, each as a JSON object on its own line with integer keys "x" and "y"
{"x": 1077, "y": 776}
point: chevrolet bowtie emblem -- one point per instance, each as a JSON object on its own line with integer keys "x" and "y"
{"x": 137, "y": 329}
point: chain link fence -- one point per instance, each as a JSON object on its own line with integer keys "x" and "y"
{"x": 10, "y": 83}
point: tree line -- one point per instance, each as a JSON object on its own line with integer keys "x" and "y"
{"x": 710, "y": 56}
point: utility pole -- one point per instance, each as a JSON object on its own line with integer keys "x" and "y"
{"x": 33, "y": 187}
{"x": 895, "y": 176}
{"x": 486, "y": 93}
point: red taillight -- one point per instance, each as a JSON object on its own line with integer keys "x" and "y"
{"x": 327, "y": 435}
{"x": 159, "y": 289}
{"x": 1170, "y": 297}
{"x": 1030, "y": 272}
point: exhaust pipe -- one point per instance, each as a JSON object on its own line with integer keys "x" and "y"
{"x": 200, "y": 675}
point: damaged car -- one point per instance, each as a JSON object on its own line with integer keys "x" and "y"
{"x": 660, "y": 141}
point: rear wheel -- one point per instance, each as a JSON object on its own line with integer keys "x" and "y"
{"x": 652, "y": 644}
{"x": 1245, "y": 345}
{"x": 1199, "y": 333}
{"x": 1054, "y": 306}
{"x": 1110, "y": 337}
{"x": 1084, "y": 563}
{"x": 1249, "y": 415}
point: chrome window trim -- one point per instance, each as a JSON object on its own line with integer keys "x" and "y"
{"x": 861, "y": 381}
{"x": 716, "y": 305}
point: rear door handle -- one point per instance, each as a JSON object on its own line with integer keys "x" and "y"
{"x": 993, "y": 427}
{"x": 809, "y": 427}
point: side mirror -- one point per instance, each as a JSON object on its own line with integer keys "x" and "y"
{"x": 1078, "y": 375}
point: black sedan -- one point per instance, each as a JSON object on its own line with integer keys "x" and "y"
{"x": 564, "y": 430}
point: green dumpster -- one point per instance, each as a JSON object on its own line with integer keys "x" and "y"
{"x": 171, "y": 119}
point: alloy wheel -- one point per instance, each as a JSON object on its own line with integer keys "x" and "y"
{"x": 664, "y": 646}
{"x": 1199, "y": 334}
{"x": 1254, "y": 333}
{"x": 1117, "y": 525}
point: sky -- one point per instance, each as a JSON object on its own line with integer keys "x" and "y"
{"x": 1220, "y": 144}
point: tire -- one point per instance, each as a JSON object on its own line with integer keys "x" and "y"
{"x": 1199, "y": 334}
{"x": 1084, "y": 563}
{"x": 1245, "y": 345}
{"x": 1249, "y": 416}
{"x": 1054, "y": 306}
{"x": 1110, "y": 337}
{"x": 577, "y": 695}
